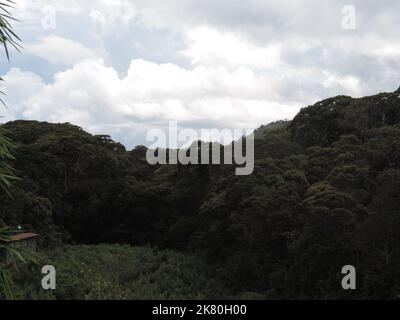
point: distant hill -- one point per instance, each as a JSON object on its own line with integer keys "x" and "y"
{"x": 324, "y": 122}
{"x": 271, "y": 128}
{"x": 325, "y": 193}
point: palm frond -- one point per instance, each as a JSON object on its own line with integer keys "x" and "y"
{"x": 7, "y": 173}
{"x": 7, "y": 35}
{"x": 8, "y": 38}
{"x": 6, "y": 283}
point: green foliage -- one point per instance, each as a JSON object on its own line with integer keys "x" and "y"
{"x": 7, "y": 38}
{"x": 17, "y": 255}
{"x": 324, "y": 194}
{"x": 7, "y": 34}
{"x": 7, "y": 176}
{"x": 119, "y": 272}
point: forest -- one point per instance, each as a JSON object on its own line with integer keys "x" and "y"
{"x": 325, "y": 193}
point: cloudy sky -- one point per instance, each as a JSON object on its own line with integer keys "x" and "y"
{"x": 122, "y": 67}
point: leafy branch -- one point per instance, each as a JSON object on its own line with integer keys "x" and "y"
{"x": 8, "y": 39}
{"x": 7, "y": 35}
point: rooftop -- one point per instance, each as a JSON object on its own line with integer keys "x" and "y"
{"x": 22, "y": 236}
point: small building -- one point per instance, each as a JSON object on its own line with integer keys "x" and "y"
{"x": 24, "y": 241}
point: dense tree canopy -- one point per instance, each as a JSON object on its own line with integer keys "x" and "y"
{"x": 325, "y": 193}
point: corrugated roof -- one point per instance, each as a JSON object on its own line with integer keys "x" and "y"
{"x": 22, "y": 236}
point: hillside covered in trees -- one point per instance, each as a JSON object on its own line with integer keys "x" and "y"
{"x": 325, "y": 193}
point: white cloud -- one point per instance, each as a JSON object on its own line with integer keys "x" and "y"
{"x": 208, "y": 46}
{"x": 95, "y": 97}
{"x": 112, "y": 9}
{"x": 19, "y": 88}
{"x": 56, "y": 50}
{"x": 215, "y": 63}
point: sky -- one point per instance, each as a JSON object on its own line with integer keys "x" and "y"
{"x": 124, "y": 67}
